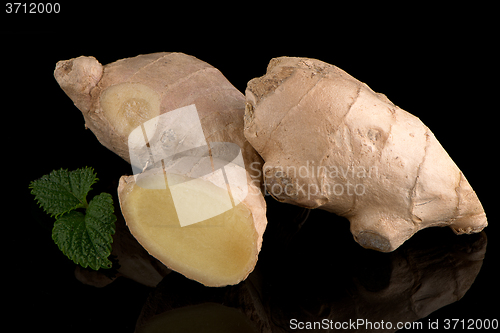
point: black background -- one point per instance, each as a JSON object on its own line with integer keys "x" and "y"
{"x": 435, "y": 63}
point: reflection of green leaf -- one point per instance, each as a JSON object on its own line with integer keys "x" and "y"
{"x": 62, "y": 191}
{"x": 84, "y": 238}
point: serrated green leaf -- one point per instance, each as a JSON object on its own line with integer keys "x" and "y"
{"x": 86, "y": 239}
{"x": 62, "y": 191}
{"x": 101, "y": 223}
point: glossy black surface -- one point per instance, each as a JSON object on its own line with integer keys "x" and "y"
{"x": 315, "y": 273}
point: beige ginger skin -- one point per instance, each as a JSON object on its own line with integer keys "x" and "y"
{"x": 119, "y": 97}
{"x": 330, "y": 142}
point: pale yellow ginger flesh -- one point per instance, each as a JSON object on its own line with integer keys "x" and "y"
{"x": 218, "y": 251}
{"x": 128, "y": 105}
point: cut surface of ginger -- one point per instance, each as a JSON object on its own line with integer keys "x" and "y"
{"x": 216, "y": 251}
{"x": 128, "y": 105}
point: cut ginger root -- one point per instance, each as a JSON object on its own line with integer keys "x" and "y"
{"x": 217, "y": 251}
{"x": 168, "y": 114}
{"x": 128, "y": 105}
{"x": 118, "y": 97}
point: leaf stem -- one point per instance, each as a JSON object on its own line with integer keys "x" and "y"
{"x": 85, "y": 203}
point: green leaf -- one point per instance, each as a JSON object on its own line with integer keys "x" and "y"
{"x": 62, "y": 191}
{"x": 86, "y": 239}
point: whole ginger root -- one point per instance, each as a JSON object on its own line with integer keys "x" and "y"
{"x": 145, "y": 110}
{"x": 330, "y": 142}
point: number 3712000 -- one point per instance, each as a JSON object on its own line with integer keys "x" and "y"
{"x": 32, "y": 8}
{"x": 470, "y": 324}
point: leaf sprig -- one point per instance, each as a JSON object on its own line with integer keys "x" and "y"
{"x": 86, "y": 237}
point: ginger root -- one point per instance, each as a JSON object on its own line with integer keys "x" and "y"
{"x": 194, "y": 203}
{"x": 116, "y": 98}
{"x": 218, "y": 251}
{"x": 330, "y": 142}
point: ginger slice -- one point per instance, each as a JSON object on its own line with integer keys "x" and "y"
{"x": 216, "y": 251}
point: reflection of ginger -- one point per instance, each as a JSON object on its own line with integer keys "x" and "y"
{"x": 205, "y": 317}
{"x": 235, "y": 308}
{"x": 329, "y": 141}
{"x": 430, "y": 271}
{"x": 116, "y": 99}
